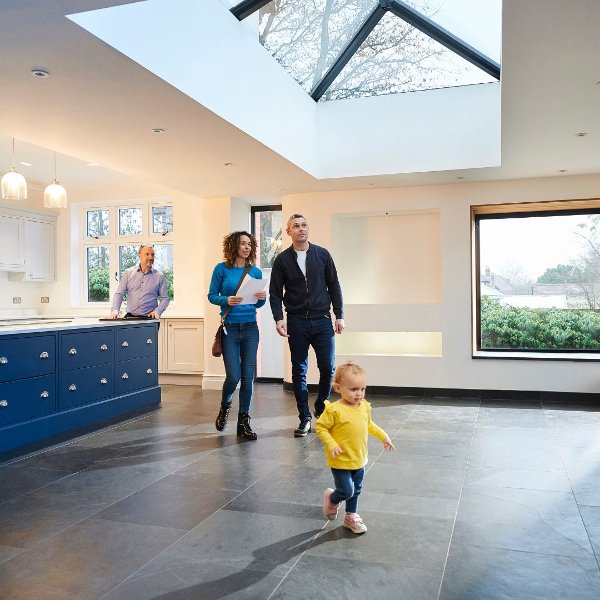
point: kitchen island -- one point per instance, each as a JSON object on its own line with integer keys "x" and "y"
{"x": 58, "y": 376}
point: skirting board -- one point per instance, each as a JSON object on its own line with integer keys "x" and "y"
{"x": 174, "y": 379}
{"x": 509, "y": 395}
{"x": 212, "y": 382}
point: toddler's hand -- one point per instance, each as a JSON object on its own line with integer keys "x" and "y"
{"x": 336, "y": 452}
{"x": 387, "y": 444}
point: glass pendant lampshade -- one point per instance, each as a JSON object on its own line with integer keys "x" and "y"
{"x": 55, "y": 195}
{"x": 13, "y": 184}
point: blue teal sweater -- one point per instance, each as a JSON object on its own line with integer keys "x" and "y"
{"x": 223, "y": 284}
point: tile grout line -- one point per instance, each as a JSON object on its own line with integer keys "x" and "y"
{"x": 458, "y": 505}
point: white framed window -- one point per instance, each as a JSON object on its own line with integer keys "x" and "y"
{"x": 110, "y": 237}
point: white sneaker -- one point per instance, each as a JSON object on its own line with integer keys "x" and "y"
{"x": 354, "y": 522}
{"x": 330, "y": 510}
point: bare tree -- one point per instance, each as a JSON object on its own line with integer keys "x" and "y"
{"x": 306, "y": 37}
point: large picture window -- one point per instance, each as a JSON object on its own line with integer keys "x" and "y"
{"x": 111, "y": 237}
{"x": 537, "y": 277}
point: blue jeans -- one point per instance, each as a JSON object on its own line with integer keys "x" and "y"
{"x": 348, "y": 485}
{"x": 319, "y": 334}
{"x": 239, "y": 356}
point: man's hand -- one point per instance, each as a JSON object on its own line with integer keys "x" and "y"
{"x": 154, "y": 315}
{"x": 114, "y": 314}
{"x": 281, "y": 328}
{"x": 339, "y": 325}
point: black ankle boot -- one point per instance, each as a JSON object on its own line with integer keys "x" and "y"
{"x": 221, "y": 420}
{"x": 243, "y": 427}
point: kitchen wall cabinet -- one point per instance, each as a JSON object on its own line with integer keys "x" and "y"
{"x": 181, "y": 346}
{"x": 55, "y": 381}
{"x": 12, "y": 243}
{"x": 27, "y": 244}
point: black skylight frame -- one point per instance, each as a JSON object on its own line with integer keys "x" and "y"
{"x": 404, "y": 12}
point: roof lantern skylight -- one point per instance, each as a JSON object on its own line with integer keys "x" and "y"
{"x": 339, "y": 49}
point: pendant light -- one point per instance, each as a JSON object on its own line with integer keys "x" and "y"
{"x": 55, "y": 195}
{"x": 13, "y": 184}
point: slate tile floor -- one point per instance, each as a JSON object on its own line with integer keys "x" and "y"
{"x": 481, "y": 500}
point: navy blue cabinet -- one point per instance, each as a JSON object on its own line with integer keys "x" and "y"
{"x": 56, "y": 381}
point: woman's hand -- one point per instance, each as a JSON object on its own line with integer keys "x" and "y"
{"x": 261, "y": 295}
{"x": 336, "y": 452}
{"x": 234, "y": 300}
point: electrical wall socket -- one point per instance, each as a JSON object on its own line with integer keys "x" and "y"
{"x": 16, "y": 299}
{"x": 45, "y": 299}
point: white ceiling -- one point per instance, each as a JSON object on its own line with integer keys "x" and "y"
{"x": 99, "y": 106}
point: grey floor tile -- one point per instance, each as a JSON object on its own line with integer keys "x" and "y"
{"x": 406, "y": 504}
{"x": 554, "y": 480}
{"x": 528, "y": 418}
{"x": 184, "y": 580}
{"x": 517, "y": 519}
{"x": 585, "y": 481}
{"x": 326, "y": 578}
{"x": 475, "y": 573}
{"x": 252, "y": 541}
{"x": 406, "y": 478}
{"x": 403, "y": 540}
{"x": 175, "y": 501}
{"x": 74, "y": 565}
{"x": 591, "y": 520}
{"x": 514, "y": 447}
{"x": 16, "y": 480}
{"x": 8, "y": 552}
{"x": 432, "y": 443}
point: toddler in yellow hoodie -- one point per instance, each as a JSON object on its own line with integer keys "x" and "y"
{"x": 344, "y": 428}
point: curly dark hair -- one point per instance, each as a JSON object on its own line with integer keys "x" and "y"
{"x": 230, "y": 248}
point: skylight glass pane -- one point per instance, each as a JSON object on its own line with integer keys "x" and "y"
{"x": 476, "y": 23}
{"x": 306, "y": 36}
{"x": 397, "y": 57}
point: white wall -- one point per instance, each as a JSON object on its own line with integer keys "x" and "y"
{"x": 452, "y": 314}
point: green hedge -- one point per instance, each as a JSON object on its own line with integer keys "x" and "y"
{"x": 510, "y": 328}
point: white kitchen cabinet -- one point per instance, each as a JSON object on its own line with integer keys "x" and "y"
{"x": 12, "y": 243}
{"x": 27, "y": 244}
{"x": 181, "y": 346}
{"x": 39, "y": 251}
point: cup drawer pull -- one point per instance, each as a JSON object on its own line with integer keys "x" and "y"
{"x": 44, "y": 354}
{"x": 125, "y": 344}
{"x": 124, "y": 376}
{"x": 104, "y": 381}
{"x": 44, "y": 394}
{"x": 3, "y": 403}
{"x": 73, "y": 351}
{"x": 149, "y": 371}
{"x": 72, "y": 388}
{"x": 3, "y": 360}
{"x": 104, "y": 347}
{"x": 149, "y": 341}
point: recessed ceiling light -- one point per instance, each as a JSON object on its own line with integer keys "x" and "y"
{"x": 460, "y": 177}
{"x": 158, "y": 130}
{"x": 40, "y": 73}
{"x": 562, "y": 170}
{"x": 581, "y": 134}
{"x": 227, "y": 164}
{"x": 281, "y": 189}
{"x": 25, "y": 163}
{"x": 91, "y": 164}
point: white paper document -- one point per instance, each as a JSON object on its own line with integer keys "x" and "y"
{"x": 249, "y": 289}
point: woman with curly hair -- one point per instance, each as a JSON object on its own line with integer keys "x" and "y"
{"x": 240, "y": 333}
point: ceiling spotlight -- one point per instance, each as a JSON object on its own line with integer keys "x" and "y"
{"x": 40, "y": 73}
{"x": 581, "y": 134}
{"x": 460, "y": 177}
{"x": 227, "y": 164}
{"x": 91, "y": 164}
{"x": 158, "y": 130}
{"x": 562, "y": 170}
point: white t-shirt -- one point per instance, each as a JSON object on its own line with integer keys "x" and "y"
{"x": 301, "y": 254}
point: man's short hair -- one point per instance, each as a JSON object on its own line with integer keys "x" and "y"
{"x": 295, "y": 216}
{"x": 145, "y": 245}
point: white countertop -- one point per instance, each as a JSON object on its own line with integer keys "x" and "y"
{"x": 40, "y": 324}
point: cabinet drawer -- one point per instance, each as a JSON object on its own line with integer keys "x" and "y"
{"x": 135, "y": 375}
{"x": 85, "y": 386}
{"x": 27, "y": 357}
{"x": 26, "y": 399}
{"x": 133, "y": 342}
{"x": 86, "y": 349}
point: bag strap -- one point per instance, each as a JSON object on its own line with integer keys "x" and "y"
{"x": 246, "y": 271}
